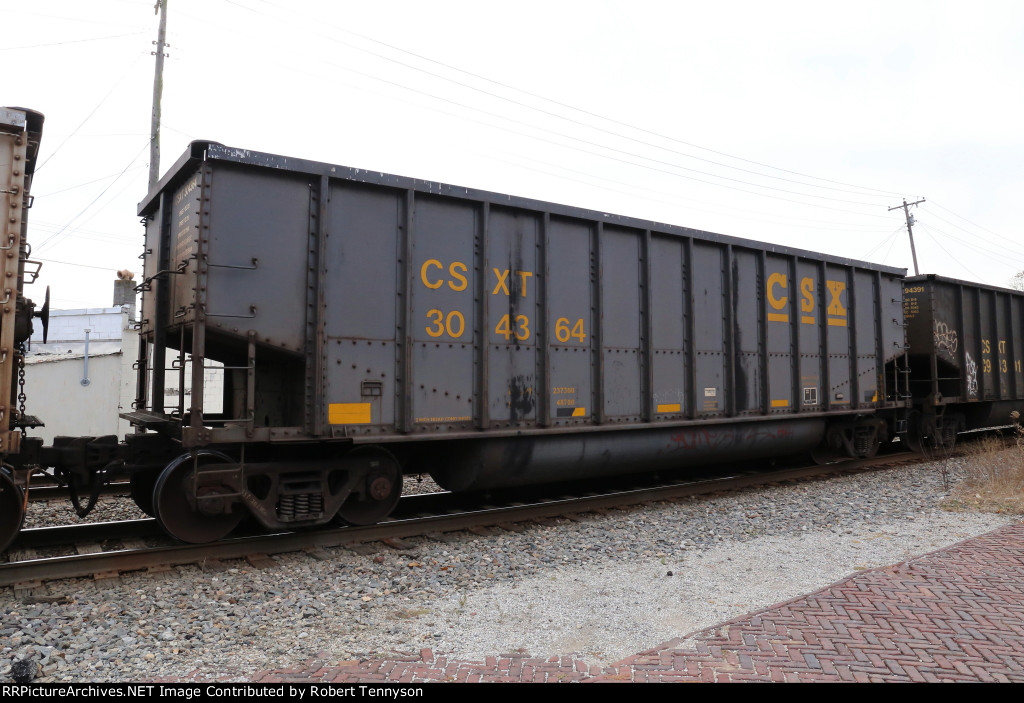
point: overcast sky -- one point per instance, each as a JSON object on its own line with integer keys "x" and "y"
{"x": 798, "y": 123}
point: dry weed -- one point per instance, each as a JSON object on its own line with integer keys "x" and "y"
{"x": 995, "y": 476}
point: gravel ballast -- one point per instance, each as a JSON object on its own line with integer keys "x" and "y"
{"x": 603, "y": 586}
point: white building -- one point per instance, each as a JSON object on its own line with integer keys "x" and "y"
{"x": 69, "y": 329}
{"x": 82, "y": 377}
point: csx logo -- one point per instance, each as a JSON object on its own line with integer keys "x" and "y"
{"x": 777, "y": 295}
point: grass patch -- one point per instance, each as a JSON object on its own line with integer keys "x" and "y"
{"x": 995, "y": 476}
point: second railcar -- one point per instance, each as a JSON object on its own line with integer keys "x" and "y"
{"x": 966, "y": 344}
{"x": 311, "y": 331}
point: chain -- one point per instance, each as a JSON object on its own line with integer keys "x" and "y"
{"x": 21, "y": 382}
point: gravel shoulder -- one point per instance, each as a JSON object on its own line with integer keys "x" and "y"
{"x": 604, "y": 586}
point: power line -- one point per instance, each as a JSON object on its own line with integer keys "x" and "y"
{"x": 55, "y": 237}
{"x": 69, "y": 41}
{"x": 887, "y": 239}
{"x": 332, "y": 38}
{"x": 974, "y": 246}
{"x": 89, "y": 116}
{"x": 71, "y": 18}
{"x": 892, "y": 243}
{"x": 505, "y": 118}
{"x": 613, "y": 149}
{"x": 402, "y": 86}
{"x": 86, "y": 183}
{"x": 676, "y": 200}
{"x": 74, "y": 263}
{"x": 985, "y": 229}
{"x": 958, "y": 261}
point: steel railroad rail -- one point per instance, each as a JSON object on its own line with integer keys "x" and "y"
{"x": 416, "y": 515}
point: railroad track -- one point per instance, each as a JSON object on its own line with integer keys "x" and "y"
{"x": 55, "y": 492}
{"x": 101, "y": 551}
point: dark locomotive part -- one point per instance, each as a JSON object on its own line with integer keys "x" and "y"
{"x": 312, "y": 332}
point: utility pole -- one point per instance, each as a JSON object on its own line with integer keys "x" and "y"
{"x": 158, "y": 89}
{"x": 910, "y": 225}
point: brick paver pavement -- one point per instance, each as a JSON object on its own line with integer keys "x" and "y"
{"x": 953, "y": 615}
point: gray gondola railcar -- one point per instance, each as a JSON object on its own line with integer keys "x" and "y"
{"x": 386, "y": 325}
{"x": 967, "y": 345}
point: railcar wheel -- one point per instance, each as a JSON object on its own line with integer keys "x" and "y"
{"x": 174, "y": 513}
{"x": 947, "y": 435}
{"x": 824, "y": 454}
{"x": 142, "y": 484}
{"x": 915, "y": 435}
{"x": 377, "y": 493}
{"x": 12, "y": 510}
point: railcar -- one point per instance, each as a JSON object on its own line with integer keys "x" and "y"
{"x": 20, "y": 132}
{"x": 965, "y": 349}
{"x": 311, "y": 332}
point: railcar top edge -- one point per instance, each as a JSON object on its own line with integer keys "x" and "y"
{"x": 203, "y": 151}
{"x": 936, "y": 278}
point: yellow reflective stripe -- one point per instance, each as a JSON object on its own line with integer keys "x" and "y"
{"x": 670, "y": 408}
{"x": 579, "y": 412}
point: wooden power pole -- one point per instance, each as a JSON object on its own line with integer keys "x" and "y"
{"x": 158, "y": 89}
{"x": 910, "y": 226}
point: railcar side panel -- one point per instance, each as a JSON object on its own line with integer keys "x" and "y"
{"x": 443, "y": 316}
{"x": 153, "y": 257}
{"x": 256, "y": 255}
{"x": 512, "y": 313}
{"x": 570, "y": 283}
{"x": 711, "y": 334}
{"x": 865, "y": 334}
{"x": 748, "y": 372}
{"x": 966, "y": 350}
{"x": 776, "y": 317}
{"x": 811, "y": 369}
{"x": 361, "y": 308}
{"x": 838, "y": 339}
{"x": 183, "y": 231}
{"x": 1015, "y": 311}
{"x": 670, "y": 330}
{"x": 621, "y": 304}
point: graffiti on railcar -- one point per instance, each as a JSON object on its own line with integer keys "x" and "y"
{"x": 972, "y": 377}
{"x": 706, "y": 438}
{"x": 945, "y": 338}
